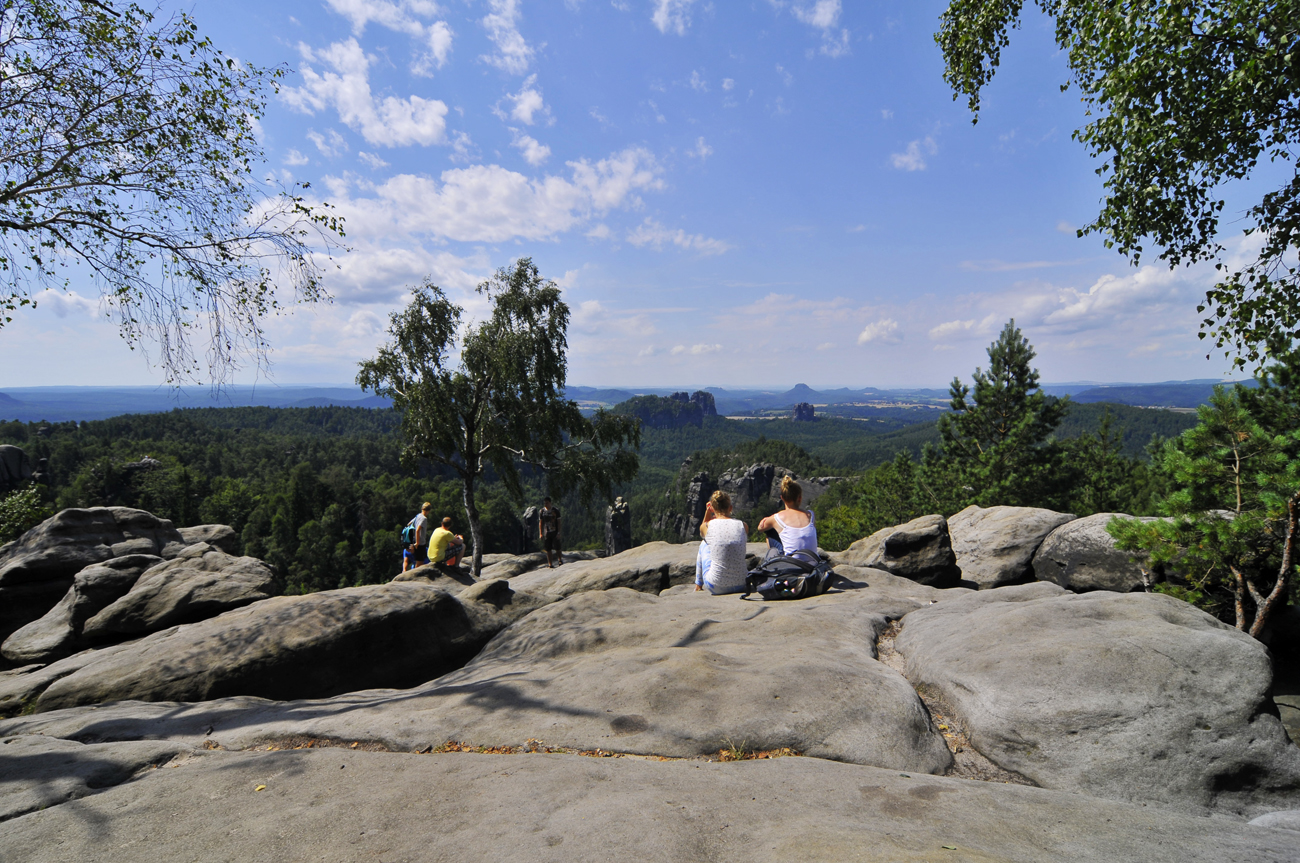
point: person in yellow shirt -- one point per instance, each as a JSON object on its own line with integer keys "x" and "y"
{"x": 445, "y": 547}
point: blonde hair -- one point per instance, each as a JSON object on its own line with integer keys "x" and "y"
{"x": 721, "y": 502}
{"x": 426, "y": 507}
{"x": 791, "y": 491}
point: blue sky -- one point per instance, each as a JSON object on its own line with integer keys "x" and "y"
{"x": 736, "y": 194}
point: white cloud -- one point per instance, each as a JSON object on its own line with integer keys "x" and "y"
{"x": 438, "y": 37}
{"x": 329, "y": 146}
{"x": 534, "y": 153}
{"x": 390, "y": 122}
{"x": 513, "y": 54}
{"x": 1066, "y": 228}
{"x": 527, "y": 103}
{"x": 913, "y": 158}
{"x": 672, "y": 15}
{"x": 600, "y": 232}
{"x": 293, "y": 159}
{"x": 884, "y": 331}
{"x": 785, "y": 76}
{"x": 856, "y": 229}
{"x": 403, "y": 17}
{"x": 822, "y": 15}
{"x": 489, "y": 203}
{"x": 698, "y": 84}
{"x": 949, "y": 328}
{"x": 66, "y": 303}
{"x": 696, "y": 350}
{"x": 886, "y": 114}
{"x": 372, "y": 160}
{"x": 993, "y": 265}
{"x": 701, "y": 150}
{"x": 651, "y": 233}
{"x": 728, "y": 83}
{"x": 659, "y": 117}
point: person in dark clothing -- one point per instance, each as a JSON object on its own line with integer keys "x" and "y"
{"x": 548, "y": 531}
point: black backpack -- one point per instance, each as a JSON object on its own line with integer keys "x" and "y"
{"x": 793, "y": 576}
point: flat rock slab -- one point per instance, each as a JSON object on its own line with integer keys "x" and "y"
{"x": 1081, "y": 556}
{"x": 995, "y": 545}
{"x": 1137, "y": 697}
{"x": 338, "y": 805}
{"x": 39, "y": 772}
{"x": 301, "y": 646}
{"x": 621, "y": 671}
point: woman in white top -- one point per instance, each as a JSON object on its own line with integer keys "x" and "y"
{"x": 793, "y": 525}
{"x": 726, "y": 538}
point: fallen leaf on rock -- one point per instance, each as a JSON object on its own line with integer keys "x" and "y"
{"x": 260, "y": 788}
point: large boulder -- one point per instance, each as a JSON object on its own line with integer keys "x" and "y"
{"x": 920, "y": 550}
{"x": 1080, "y": 556}
{"x": 59, "y": 632}
{"x": 37, "y": 569}
{"x": 338, "y": 804}
{"x": 200, "y": 582}
{"x": 302, "y": 646}
{"x": 1138, "y": 697}
{"x": 995, "y": 546}
{"x": 649, "y": 568}
{"x": 220, "y": 536}
{"x": 15, "y": 469}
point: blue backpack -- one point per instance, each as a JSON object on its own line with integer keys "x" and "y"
{"x": 409, "y": 533}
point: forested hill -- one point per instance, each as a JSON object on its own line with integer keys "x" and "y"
{"x": 322, "y": 494}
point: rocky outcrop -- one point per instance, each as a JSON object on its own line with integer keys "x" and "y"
{"x": 220, "y": 536}
{"x": 200, "y": 582}
{"x": 15, "y": 469}
{"x": 618, "y": 527}
{"x": 59, "y": 632}
{"x": 1080, "y": 556}
{"x": 37, "y": 569}
{"x": 1136, "y": 697}
{"x": 995, "y": 546}
{"x": 804, "y": 412}
{"x": 752, "y": 487}
{"x": 919, "y": 550}
{"x": 302, "y": 646}
{"x": 340, "y": 804}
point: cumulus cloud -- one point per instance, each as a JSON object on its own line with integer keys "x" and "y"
{"x": 728, "y": 83}
{"x": 527, "y": 103}
{"x": 65, "y": 303}
{"x": 698, "y": 84}
{"x": 950, "y": 328}
{"x": 388, "y": 122}
{"x": 913, "y": 158}
{"x": 651, "y": 233}
{"x": 534, "y": 153}
{"x": 884, "y": 331}
{"x": 406, "y": 17}
{"x": 330, "y": 144}
{"x": 372, "y": 160}
{"x": 513, "y": 54}
{"x": 822, "y": 15}
{"x": 672, "y": 15}
{"x": 696, "y": 350}
{"x": 293, "y": 159}
{"x": 489, "y": 203}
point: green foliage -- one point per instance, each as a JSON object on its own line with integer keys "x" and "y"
{"x": 1100, "y": 477}
{"x": 501, "y": 405}
{"x": 886, "y": 495}
{"x": 128, "y": 150}
{"x": 20, "y": 511}
{"x": 1235, "y": 488}
{"x": 995, "y": 448}
{"x": 1186, "y": 96}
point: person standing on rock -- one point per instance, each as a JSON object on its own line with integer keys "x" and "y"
{"x": 726, "y": 537}
{"x": 417, "y": 553}
{"x": 446, "y": 548}
{"x": 548, "y": 531}
{"x": 792, "y": 528}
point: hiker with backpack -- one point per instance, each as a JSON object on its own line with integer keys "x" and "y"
{"x": 726, "y": 538}
{"x": 548, "y": 531}
{"x": 415, "y": 539}
{"x": 792, "y": 528}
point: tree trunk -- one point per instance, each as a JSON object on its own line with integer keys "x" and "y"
{"x": 1265, "y": 608}
{"x": 475, "y": 532}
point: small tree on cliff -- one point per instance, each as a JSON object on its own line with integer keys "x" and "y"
{"x": 502, "y": 405}
{"x": 994, "y": 445}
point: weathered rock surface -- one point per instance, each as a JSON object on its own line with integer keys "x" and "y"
{"x": 220, "y": 536}
{"x": 15, "y": 468}
{"x": 1080, "y": 556}
{"x": 341, "y": 805}
{"x": 59, "y": 632}
{"x": 302, "y": 646}
{"x": 36, "y": 570}
{"x": 1136, "y": 697}
{"x": 513, "y": 565}
{"x": 1288, "y": 819}
{"x": 200, "y": 582}
{"x": 920, "y": 550}
{"x": 995, "y": 546}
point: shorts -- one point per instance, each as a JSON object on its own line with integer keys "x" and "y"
{"x": 551, "y": 542}
{"x": 418, "y": 557}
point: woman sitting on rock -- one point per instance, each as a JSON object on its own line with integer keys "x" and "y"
{"x": 792, "y": 528}
{"x": 726, "y": 537}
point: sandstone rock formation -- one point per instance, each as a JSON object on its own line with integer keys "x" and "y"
{"x": 920, "y": 550}
{"x": 220, "y": 536}
{"x": 200, "y": 582}
{"x": 1137, "y": 697}
{"x": 995, "y": 546}
{"x": 1080, "y": 556}
{"x": 37, "y": 569}
{"x": 15, "y": 468}
{"x": 59, "y": 632}
{"x": 618, "y": 527}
